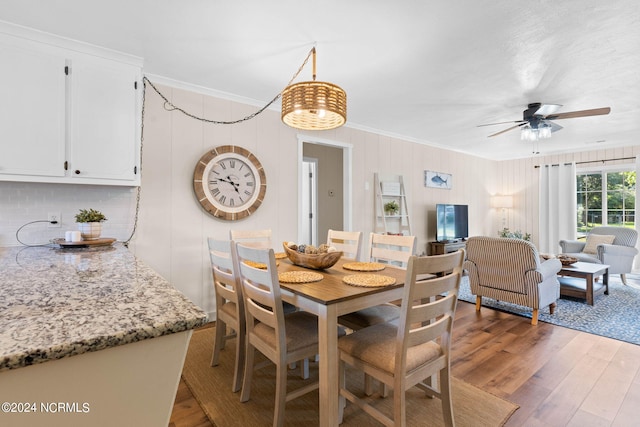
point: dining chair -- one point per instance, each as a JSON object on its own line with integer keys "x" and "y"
{"x": 230, "y": 317}
{"x": 408, "y": 352}
{"x": 254, "y": 238}
{"x": 282, "y": 338}
{"x": 382, "y": 248}
{"x": 349, "y": 242}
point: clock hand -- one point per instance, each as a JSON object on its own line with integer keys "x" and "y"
{"x": 235, "y": 186}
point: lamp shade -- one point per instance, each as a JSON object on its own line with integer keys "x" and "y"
{"x": 502, "y": 202}
{"x": 314, "y": 105}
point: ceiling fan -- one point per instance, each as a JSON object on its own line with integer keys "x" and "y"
{"x": 538, "y": 117}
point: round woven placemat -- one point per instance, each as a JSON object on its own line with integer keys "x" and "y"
{"x": 299, "y": 277}
{"x": 368, "y": 280}
{"x": 280, "y": 255}
{"x": 363, "y": 266}
{"x": 259, "y": 265}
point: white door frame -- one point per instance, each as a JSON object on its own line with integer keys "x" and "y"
{"x": 312, "y": 203}
{"x": 347, "y": 152}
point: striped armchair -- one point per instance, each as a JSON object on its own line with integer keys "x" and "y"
{"x": 510, "y": 270}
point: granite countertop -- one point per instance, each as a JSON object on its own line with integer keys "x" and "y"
{"x": 56, "y": 303}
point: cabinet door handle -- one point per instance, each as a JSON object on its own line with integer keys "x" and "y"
{"x": 77, "y": 172}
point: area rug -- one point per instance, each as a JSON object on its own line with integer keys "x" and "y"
{"x": 211, "y": 387}
{"x": 616, "y": 315}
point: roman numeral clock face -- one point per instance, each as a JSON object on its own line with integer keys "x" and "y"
{"x": 229, "y": 182}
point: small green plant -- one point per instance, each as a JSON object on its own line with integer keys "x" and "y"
{"x": 391, "y": 208}
{"x": 505, "y": 232}
{"x": 90, "y": 215}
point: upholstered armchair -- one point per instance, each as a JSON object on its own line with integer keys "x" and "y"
{"x": 510, "y": 270}
{"x": 617, "y": 250}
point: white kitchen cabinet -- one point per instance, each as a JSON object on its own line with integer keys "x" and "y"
{"x": 32, "y": 110}
{"x": 70, "y": 111}
{"x": 103, "y": 130}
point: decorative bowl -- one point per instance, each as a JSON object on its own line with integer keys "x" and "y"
{"x": 315, "y": 261}
{"x": 567, "y": 260}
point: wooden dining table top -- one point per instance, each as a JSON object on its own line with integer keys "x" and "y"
{"x": 331, "y": 289}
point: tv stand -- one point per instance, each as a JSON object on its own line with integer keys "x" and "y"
{"x": 441, "y": 248}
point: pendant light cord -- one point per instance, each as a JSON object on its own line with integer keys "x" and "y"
{"x": 169, "y": 106}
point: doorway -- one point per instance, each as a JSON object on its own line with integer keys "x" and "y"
{"x": 332, "y": 188}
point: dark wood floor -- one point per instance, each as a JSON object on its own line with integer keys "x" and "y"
{"x": 558, "y": 376}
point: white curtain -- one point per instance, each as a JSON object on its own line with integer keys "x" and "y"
{"x": 636, "y": 261}
{"x": 558, "y": 216}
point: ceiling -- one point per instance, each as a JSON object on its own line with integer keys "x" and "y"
{"x": 426, "y": 71}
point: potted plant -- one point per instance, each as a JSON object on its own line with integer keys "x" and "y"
{"x": 391, "y": 208}
{"x": 90, "y": 223}
{"x": 506, "y": 233}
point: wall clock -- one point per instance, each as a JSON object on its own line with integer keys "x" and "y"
{"x": 229, "y": 182}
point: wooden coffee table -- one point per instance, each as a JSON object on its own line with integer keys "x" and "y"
{"x": 577, "y": 280}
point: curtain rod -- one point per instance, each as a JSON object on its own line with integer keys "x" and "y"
{"x": 591, "y": 161}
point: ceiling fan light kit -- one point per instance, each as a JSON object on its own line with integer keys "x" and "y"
{"x": 314, "y": 105}
{"x": 536, "y": 121}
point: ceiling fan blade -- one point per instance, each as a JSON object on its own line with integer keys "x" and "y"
{"x": 554, "y": 127}
{"x": 581, "y": 113}
{"x": 501, "y": 123}
{"x": 507, "y": 129}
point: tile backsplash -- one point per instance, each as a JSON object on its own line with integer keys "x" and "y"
{"x": 23, "y": 202}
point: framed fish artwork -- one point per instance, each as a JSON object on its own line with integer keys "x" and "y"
{"x": 438, "y": 180}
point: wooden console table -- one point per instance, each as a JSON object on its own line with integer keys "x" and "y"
{"x": 439, "y": 248}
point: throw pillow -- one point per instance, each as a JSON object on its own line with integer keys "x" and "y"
{"x": 593, "y": 240}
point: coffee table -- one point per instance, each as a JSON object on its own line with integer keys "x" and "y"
{"x": 572, "y": 283}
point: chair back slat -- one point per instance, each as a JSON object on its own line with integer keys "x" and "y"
{"x": 391, "y": 248}
{"x": 254, "y": 238}
{"x": 349, "y": 242}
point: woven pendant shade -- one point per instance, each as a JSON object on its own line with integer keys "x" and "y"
{"x": 314, "y": 106}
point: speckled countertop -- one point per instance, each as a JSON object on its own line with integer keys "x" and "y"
{"x": 56, "y": 303}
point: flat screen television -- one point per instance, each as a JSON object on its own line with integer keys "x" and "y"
{"x": 452, "y": 222}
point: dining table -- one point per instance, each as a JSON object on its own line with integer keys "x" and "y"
{"x": 328, "y": 299}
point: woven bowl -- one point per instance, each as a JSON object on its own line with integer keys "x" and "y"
{"x": 567, "y": 260}
{"x": 315, "y": 261}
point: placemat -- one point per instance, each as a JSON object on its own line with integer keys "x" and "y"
{"x": 363, "y": 266}
{"x": 299, "y": 277}
{"x": 280, "y": 255}
{"x": 259, "y": 265}
{"x": 368, "y": 280}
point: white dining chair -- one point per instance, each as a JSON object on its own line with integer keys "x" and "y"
{"x": 349, "y": 242}
{"x": 230, "y": 317}
{"x": 284, "y": 338}
{"x": 406, "y": 353}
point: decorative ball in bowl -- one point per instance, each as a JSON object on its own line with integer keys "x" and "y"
{"x": 317, "y": 261}
{"x": 567, "y": 260}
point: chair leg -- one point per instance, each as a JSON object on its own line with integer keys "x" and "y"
{"x": 552, "y": 308}
{"x": 534, "y": 317}
{"x": 248, "y": 373}
{"x": 623, "y": 277}
{"x": 478, "y": 302}
{"x": 445, "y": 397}
{"x": 304, "y": 369}
{"x": 239, "y": 365}
{"x": 342, "y": 382}
{"x": 221, "y": 330}
{"x": 281, "y": 395}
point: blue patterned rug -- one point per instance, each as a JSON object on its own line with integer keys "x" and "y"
{"x": 616, "y": 315}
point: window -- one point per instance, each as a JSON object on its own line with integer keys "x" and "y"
{"x": 605, "y": 198}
